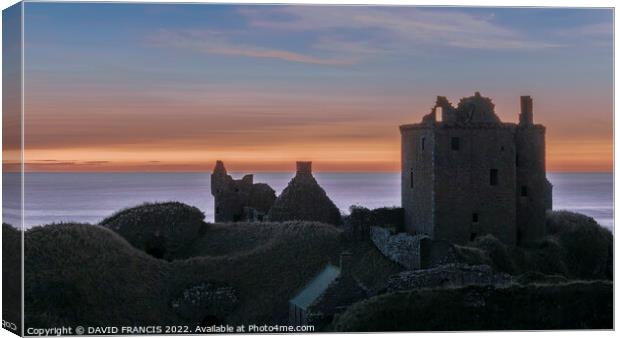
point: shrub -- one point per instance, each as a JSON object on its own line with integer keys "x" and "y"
{"x": 498, "y": 253}
{"x": 576, "y": 247}
{"x": 587, "y": 247}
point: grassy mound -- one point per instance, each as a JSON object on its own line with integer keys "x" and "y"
{"x": 162, "y": 230}
{"x": 79, "y": 274}
{"x": 266, "y": 275}
{"x": 232, "y": 239}
{"x": 578, "y": 305}
{"x": 576, "y": 247}
{"x": 11, "y": 275}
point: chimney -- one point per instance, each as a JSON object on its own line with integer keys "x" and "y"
{"x": 345, "y": 263}
{"x": 304, "y": 167}
{"x": 527, "y": 114}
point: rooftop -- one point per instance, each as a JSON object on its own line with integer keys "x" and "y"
{"x": 316, "y": 287}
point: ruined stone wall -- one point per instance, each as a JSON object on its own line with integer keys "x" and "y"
{"x": 213, "y": 299}
{"x": 403, "y": 249}
{"x": 239, "y": 200}
{"x": 417, "y": 144}
{"x": 303, "y": 199}
{"x": 451, "y": 275}
{"x": 467, "y": 204}
{"x": 533, "y": 193}
{"x": 230, "y": 198}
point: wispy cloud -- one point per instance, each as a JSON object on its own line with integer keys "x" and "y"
{"x": 601, "y": 29}
{"x": 396, "y": 28}
{"x": 349, "y": 35}
{"x": 217, "y": 43}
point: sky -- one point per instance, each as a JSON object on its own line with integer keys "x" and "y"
{"x": 174, "y": 87}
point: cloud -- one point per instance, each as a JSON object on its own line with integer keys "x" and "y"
{"x": 94, "y": 162}
{"x": 346, "y": 35}
{"x": 601, "y": 29}
{"x": 45, "y": 163}
{"x": 391, "y": 28}
{"x": 594, "y": 34}
{"x": 214, "y": 42}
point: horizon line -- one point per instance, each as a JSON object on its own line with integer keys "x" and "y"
{"x": 265, "y": 171}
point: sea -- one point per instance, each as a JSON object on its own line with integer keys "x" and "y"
{"x": 90, "y": 197}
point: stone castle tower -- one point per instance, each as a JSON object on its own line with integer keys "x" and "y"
{"x": 465, "y": 173}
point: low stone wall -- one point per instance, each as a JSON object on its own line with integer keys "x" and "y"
{"x": 206, "y": 299}
{"x": 450, "y": 275}
{"x": 401, "y": 248}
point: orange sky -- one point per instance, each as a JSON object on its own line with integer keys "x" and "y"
{"x": 262, "y": 87}
{"x": 97, "y": 139}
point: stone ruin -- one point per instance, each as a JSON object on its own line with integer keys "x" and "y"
{"x": 403, "y": 249}
{"x": 207, "y": 303}
{"x": 304, "y": 199}
{"x": 239, "y": 200}
{"x": 245, "y": 201}
{"x": 413, "y": 252}
{"x": 449, "y": 275}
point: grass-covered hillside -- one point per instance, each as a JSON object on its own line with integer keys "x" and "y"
{"x": 90, "y": 275}
{"x": 266, "y": 274}
{"x": 576, "y": 305}
{"x": 135, "y": 267}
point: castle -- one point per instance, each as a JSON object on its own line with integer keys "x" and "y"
{"x": 465, "y": 173}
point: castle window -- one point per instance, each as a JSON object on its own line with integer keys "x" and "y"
{"x": 217, "y": 210}
{"x": 456, "y": 143}
{"x": 501, "y": 148}
{"x": 474, "y": 217}
{"x": 493, "y": 177}
{"x": 472, "y": 236}
{"x": 423, "y": 142}
{"x": 438, "y": 114}
{"x": 524, "y": 191}
{"x": 411, "y": 179}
